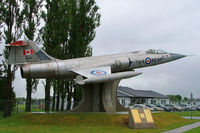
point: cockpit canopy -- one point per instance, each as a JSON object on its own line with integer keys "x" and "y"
{"x": 156, "y": 51}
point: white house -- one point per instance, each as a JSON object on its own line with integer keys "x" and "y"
{"x": 128, "y": 96}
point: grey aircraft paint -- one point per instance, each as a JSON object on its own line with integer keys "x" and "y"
{"x": 35, "y": 63}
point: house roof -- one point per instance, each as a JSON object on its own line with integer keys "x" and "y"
{"x": 129, "y": 92}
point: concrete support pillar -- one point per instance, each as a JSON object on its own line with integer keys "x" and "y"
{"x": 109, "y": 96}
{"x": 100, "y": 97}
{"x": 96, "y": 98}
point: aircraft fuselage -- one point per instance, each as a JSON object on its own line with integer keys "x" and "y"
{"x": 118, "y": 63}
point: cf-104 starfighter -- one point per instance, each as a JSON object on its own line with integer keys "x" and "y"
{"x": 35, "y": 63}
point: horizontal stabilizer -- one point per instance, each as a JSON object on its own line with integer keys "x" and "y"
{"x": 17, "y": 43}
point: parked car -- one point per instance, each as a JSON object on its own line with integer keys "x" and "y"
{"x": 198, "y": 108}
{"x": 192, "y": 108}
{"x": 169, "y": 107}
{"x": 143, "y": 106}
{"x": 174, "y": 107}
{"x": 163, "y": 107}
{"x": 177, "y": 108}
{"x": 150, "y": 108}
{"x": 155, "y": 107}
{"x": 185, "y": 107}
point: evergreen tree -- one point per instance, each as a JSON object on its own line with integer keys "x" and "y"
{"x": 2, "y": 88}
{"x": 30, "y": 24}
{"x": 179, "y": 97}
{"x": 2, "y": 78}
{"x": 55, "y": 36}
{"x": 173, "y": 99}
{"x": 47, "y": 95}
{"x": 12, "y": 20}
{"x": 185, "y": 99}
{"x": 69, "y": 28}
{"x": 84, "y": 19}
{"x": 54, "y": 85}
{"x": 0, "y": 24}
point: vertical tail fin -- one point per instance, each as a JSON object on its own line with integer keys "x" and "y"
{"x": 23, "y": 52}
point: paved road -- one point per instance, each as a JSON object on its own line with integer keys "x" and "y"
{"x": 193, "y": 117}
{"x": 184, "y": 128}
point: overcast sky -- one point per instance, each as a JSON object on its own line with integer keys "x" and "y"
{"x": 129, "y": 25}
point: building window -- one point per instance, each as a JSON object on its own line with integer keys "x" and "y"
{"x": 163, "y": 101}
{"x": 153, "y": 101}
{"x": 123, "y": 102}
{"x": 132, "y": 101}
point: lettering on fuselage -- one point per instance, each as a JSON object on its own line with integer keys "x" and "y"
{"x": 155, "y": 60}
{"x": 148, "y": 60}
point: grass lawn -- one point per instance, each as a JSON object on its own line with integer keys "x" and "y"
{"x": 195, "y": 130}
{"x": 188, "y": 113}
{"x": 85, "y": 123}
{"x": 34, "y": 108}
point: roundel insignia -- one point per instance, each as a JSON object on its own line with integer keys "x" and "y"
{"x": 148, "y": 60}
{"x": 98, "y": 72}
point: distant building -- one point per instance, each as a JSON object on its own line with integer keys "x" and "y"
{"x": 128, "y": 96}
{"x": 195, "y": 102}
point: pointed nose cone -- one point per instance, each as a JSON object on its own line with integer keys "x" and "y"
{"x": 177, "y": 56}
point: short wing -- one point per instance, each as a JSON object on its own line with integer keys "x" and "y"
{"x": 101, "y": 74}
{"x": 93, "y": 72}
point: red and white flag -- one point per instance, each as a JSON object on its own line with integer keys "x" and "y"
{"x": 28, "y": 52}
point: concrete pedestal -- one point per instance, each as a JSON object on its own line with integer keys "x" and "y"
{"x": 100, "y": 97}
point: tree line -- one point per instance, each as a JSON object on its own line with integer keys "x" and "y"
{"x": 176, "y": 98}
{"x": 64, "y": 27}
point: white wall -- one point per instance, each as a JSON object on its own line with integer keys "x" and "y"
{"x": 158, "y": 101}
{"x": 125, "y": 102}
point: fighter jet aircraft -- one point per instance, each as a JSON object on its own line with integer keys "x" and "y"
{"x": 35, "y": 63}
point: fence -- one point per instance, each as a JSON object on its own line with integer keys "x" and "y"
{"x": 39, "y": 106}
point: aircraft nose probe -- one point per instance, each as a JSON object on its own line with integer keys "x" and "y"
{"x": 177, "y": 56}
